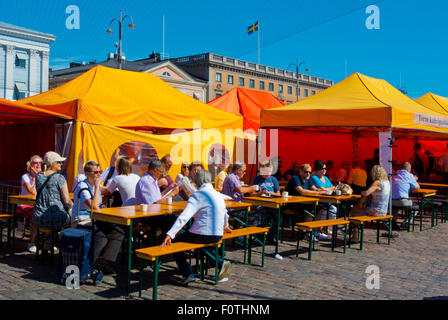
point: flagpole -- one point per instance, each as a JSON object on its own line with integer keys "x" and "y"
{"x": 259, "y": 30}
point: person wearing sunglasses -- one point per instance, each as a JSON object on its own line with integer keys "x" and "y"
{"x": 52, "y": 198}
{"x": 109, "y": 237}
{"x": 28, "y": 186}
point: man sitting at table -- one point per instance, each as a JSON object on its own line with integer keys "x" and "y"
{"x": 208, "y": 210}
{"x": 147, "y": 191}
{"x": 300, "y": 185}
{"x": 268, "y": 186}
{"x": 402, "y": 184}
{"x": 108, "y": 239}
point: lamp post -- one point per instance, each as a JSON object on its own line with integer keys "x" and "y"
{"x": 297, "y": 71}
{"x": 120, "y": 22}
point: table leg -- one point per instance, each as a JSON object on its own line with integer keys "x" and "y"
{"x": 128, "y": 283}
{"x": 278, "y": 229}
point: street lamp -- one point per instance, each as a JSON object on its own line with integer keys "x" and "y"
{"x": 120, "y": 22}
{"x": 297, "y": 71}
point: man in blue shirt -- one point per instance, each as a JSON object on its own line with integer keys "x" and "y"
{"x": 402, "y": 184}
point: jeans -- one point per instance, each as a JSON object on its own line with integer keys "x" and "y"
{"x": 181, "y": 261}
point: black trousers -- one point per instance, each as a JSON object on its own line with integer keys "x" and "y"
{"x": 181, "y": 261}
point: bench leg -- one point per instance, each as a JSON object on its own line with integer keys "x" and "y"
{"x": 216, "y": 264}
{"x": 345, "y": 238}
{"x": 310, "y": 250}
{"x": 140, "y": 280}
{"x": 333, "y": 240}
{"x": 244, "y": 245}
{"x": 377, "y": 231}
{"x": 297, "y": 247}
{"x": 250, "y": 250}
{"x": 390, "y": 231}
{"x": 262, "y": 253}
{"x": 362, "y": 236}
{"x": 156, "y": 278}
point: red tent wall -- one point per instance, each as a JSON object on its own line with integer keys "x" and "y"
{"x": 19, "y": 142}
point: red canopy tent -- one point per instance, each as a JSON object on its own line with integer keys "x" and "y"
{"x": 24, "y": 131}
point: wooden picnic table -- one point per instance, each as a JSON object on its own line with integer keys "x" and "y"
{"x": 425, "y": 198}
{"x": 29, "y": 199}
{"x": 337, "y": 200}
{"x": 278, "y": 203}
{"x": 430, "y": 184}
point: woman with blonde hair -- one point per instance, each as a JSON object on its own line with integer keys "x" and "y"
{"x": 28, "y": 186}
{"x": 379, "y": 192}
{"x": 165, "y": 180}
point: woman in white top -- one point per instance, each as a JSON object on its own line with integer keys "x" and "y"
{"x": 125, "y": 181}
{"x": 379, "y": 202}
{"x": 28, "y": 186}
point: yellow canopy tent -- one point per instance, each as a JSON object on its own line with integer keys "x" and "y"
{"x": 434, "y": 102}
{"x": 109, "y": 98}
{"x": 358, "y": 106}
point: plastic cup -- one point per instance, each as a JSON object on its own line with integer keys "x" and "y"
{"x": 169, "y": 200}
{"x": 285, "y": 193}
{"x": 338, "y": 192}
{"x": 143, "y": 207}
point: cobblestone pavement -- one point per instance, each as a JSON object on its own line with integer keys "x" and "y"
{"x": 414, "y": 266}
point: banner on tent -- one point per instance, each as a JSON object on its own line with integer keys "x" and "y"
{"x": 430, "y": 121}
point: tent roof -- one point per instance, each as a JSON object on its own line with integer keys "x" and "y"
{"x": 124, "y": 98}
{"x": 357, "y": 101}
{"x": 248, "y": 103}
{"x": 11, "y": 111}
{"x": 434, "y": 102}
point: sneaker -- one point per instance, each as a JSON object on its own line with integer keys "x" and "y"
{"x": 308, "y": 236}
{"x": 185, "y": 281}
{"x": 31, "y": 247}
{"x": 321, "y": 236}
{"x": 224, "y": 272}
{"x": 278, "y": 257}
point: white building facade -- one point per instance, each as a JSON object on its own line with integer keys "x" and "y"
{"x": 24, "y": 61}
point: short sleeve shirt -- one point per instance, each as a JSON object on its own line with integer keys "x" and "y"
{"x": 26, "y": 178}
{"x": 231, "y": 182}
{"x": 83, "y": 196}
{"x": 270, "y": 184}
{"x": 147, "y": 191}
{"x": 50, "y": 196}
{"x": 295, "y": 182}
{"x": 315, "y": 181}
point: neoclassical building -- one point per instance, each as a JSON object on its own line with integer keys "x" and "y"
{"x": 24, "y": 61}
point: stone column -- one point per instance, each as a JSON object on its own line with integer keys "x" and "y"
{"x": 9, "y": 76}
{"x": 45, "y": 70}
{"x": 34, "y": 61}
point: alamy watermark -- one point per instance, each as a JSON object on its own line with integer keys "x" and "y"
{"x": 373, "y": 278}
{"x": 373, "y": 20}
{"x": 72, "y": 280}
{"x": 73, "y": 21}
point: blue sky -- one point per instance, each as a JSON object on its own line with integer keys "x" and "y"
{"x": 326, "y": 34}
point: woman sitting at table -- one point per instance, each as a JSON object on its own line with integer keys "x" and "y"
{"x": 125, "y": 181}
{"x": 52, "y": 198}
{"x": 320, "y": 182}
{"x": 379, "y": 202}
{"x": 28, "y": 187}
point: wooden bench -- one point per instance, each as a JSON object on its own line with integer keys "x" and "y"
{"x": 244, "y": 232}
{"x": 154, "y": 255}
{"x": 312, "y": 225}
{"x": 362, "y": 219}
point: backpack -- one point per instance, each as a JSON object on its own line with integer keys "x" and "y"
{"x": 76, "y": 249}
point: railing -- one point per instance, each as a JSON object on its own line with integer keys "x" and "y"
{"x": 8, "y": 188}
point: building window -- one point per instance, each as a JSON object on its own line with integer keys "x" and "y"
{"x": 251, "y": 83}
{"x": 280, "y": 88}
{"x": 305, "y": 92}
{"x": 19, "y": 90}
{"x": 289, "y": 90}
{"x": 241, "y": 82}
{"x": 166, "y": 74}
{"x": 218, "y": 77}
{"x": 21, "y": 60}
{"x": 217, "y": 95}
{"x": 313, "y": 92}
{"x": 261, "y": 85}
{"x": 271, "y": 86}
{"x": 230, "y": 79}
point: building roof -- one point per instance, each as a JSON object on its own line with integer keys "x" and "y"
{"x": 9, "y": 29}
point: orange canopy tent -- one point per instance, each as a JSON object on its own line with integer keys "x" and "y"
{"x": 434, "y": 102}
{"x": 24, "y": 131}
{"x": 247, "y": 103}
{"x": 343, "y": 121}
{"x": 104, "y": 98}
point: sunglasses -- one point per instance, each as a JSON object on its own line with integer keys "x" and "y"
{"x": 60, "y": 162}
{"x": 97, "y": 172}
{"x": 184, "y": 167}
{"x": 309, "y": 172}
{"x": 36, "y": 162}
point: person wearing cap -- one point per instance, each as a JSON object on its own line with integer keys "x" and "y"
{"x": 210, "y": 221}
{"x": 52, "y": 194}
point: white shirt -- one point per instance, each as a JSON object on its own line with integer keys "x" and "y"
{"x": 126, "y": 186}
{"x": 80, "y": 177}
{"x": 106, "y": 173}
{"x": 208, "y": 209}
{"x": 26, "y": 178}
{"x": 444, "y": 162}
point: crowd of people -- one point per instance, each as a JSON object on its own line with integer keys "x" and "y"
{"x": 119, "y": 186}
